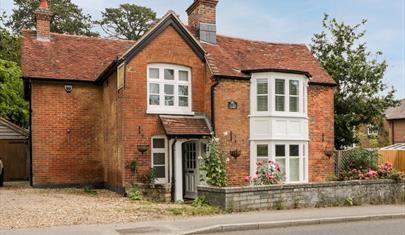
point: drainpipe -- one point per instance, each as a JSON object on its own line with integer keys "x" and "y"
{"x": 213, "y": 86}
{"x": 173, "y": 175}
{"x": 30, "y": 125}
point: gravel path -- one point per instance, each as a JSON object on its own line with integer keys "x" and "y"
{"x": 25, "y": 207}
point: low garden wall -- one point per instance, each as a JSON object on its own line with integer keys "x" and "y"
{"x": 289, "y": 196}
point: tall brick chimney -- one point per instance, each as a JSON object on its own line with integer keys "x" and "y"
{"x": 43, "y": 17}
{"x": 202, "y": 19}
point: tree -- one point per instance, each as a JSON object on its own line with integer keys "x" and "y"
{"x": 12, "y": 104}
{"x": 9, "y": 43}
{"x": 129, "y": 21}
{"x": 361, "y": 95}
{"x": 68, "y": 17}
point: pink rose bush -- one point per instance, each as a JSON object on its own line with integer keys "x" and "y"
{"x": 268, "y": 172}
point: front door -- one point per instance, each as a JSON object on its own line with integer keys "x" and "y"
{"x": 190, "y": 170}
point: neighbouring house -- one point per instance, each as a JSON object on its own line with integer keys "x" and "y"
{"x": 100, "y": 107}
{"x": 14, "y": 151}
{"x": 395, "y": 117}
{"x": 390, "y": 129}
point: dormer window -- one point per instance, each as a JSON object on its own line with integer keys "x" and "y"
{"x": 169, "y": 89}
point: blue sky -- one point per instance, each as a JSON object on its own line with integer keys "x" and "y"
{"x": 293, "y": 21}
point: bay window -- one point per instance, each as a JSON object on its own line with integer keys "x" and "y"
{"x": 169, "y": 89}
{"x": 290, "y": 156}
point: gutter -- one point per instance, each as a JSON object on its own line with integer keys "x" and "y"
{"x": 213, "y": 86}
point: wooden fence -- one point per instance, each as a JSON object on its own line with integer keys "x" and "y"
{"x": 396, "y": 157}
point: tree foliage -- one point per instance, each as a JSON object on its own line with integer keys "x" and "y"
{"x": 129, "y": 21}
{"x": 9, "y": 43}
{"x": 361, "y": 96}
{"x": 12, "y": 104}
{"x": 68, "y": 17}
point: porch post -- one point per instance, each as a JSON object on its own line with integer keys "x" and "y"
{"x": 178, "y": 170}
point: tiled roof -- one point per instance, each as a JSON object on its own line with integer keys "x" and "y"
{"x": 231, "y": 56}
{"x": 396, "y": 112}
{"x": 69, "y": 57}
{"x": 85, "y": 58}
{"x": 185, "y": 125}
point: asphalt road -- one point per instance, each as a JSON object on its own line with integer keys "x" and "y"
{"x": 383, "y": 227}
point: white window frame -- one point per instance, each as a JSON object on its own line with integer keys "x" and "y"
{"x": 372, "y": 130}
{"x": 162, "y": 108}
{"x": 303, "y": 159}
{"x": 271, "y": 82}
{"x": 160, "y": 150}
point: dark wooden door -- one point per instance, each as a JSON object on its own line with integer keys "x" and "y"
{"x": 13, "y": 153}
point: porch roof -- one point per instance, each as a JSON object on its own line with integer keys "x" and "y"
{"x": 185, "y": 126}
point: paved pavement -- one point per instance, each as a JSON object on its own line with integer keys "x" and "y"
{"x": 235, "y": 221}
{"x": 388, "y": 227}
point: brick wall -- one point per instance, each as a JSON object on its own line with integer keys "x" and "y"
{"x": 295, "y": 196}
{"x": 321, "y": 131}
{"x": 167, "y": 47}
{"x": 111, "y": 145}
{"x": 235, "y": 121}
{"x": 60, "y": 156}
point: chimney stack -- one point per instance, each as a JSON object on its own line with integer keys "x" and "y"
{"x": 202, "y": 19}
{"x": 43, "y": 18}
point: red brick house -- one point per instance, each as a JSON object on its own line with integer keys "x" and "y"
{"x": 99, "y": 104}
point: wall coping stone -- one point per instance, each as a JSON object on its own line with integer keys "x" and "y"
{"x": 241, "y": 189}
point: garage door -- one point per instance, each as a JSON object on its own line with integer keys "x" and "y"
{"x": 14, "y": 156}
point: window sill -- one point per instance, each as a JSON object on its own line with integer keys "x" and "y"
{"x": 280, "y": 115}
{"x": 172, "y": 112}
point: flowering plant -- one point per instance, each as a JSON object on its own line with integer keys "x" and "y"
{"x": 268, "y": 172}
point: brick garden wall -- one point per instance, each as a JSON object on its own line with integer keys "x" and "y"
{"x": 59, "y": 156}
{"x": 321, "y": 131}
{"x": 305, "y": 195}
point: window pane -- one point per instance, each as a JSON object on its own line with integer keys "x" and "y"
{"x": 294, "y": 87}
{"x": 183, "y": 101}
{"x": 293, "y": 104}
{"x": 154, "y": 73}
{"x": 183, "y": 90}
{"x": 160, "y": 171}
{"x": 169, "y": 89}
{"x": 262, "y": 103}
{"x": 294, "y": 169}
{"x": 280, "y": 150}
{"x": 281, "y": 163}
{"x": 158, "y": 143}
{"x": 294, "y": 150}
{"x": 159, "y": 159}
{"x": 183, "y": 76}
{"x": 262, "y": 87}
{"x": 262, "y": 150}
{"x": 280, "y": 86}
{"x": 169, "y": 100}
{"x": 279, "y": 103}
{"x": 154, "y": 88}
{"x": 154, "y": 100}
{"x": 169, "y": 74}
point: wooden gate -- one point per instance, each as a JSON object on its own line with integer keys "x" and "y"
{"x": 13, "y": 153}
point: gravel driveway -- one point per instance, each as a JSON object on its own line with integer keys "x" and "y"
{"x": 25, "y": 207}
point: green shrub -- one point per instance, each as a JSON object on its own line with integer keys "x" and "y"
{"x": 360, "y": 162}
{"x": 214, "y": 164}
{"x": 200, "y": 202}
{"x": 135, "y": 195}
{"x": 89, "y": 190}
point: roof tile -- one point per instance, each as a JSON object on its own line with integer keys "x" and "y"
{"x": 185, "y": 126}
